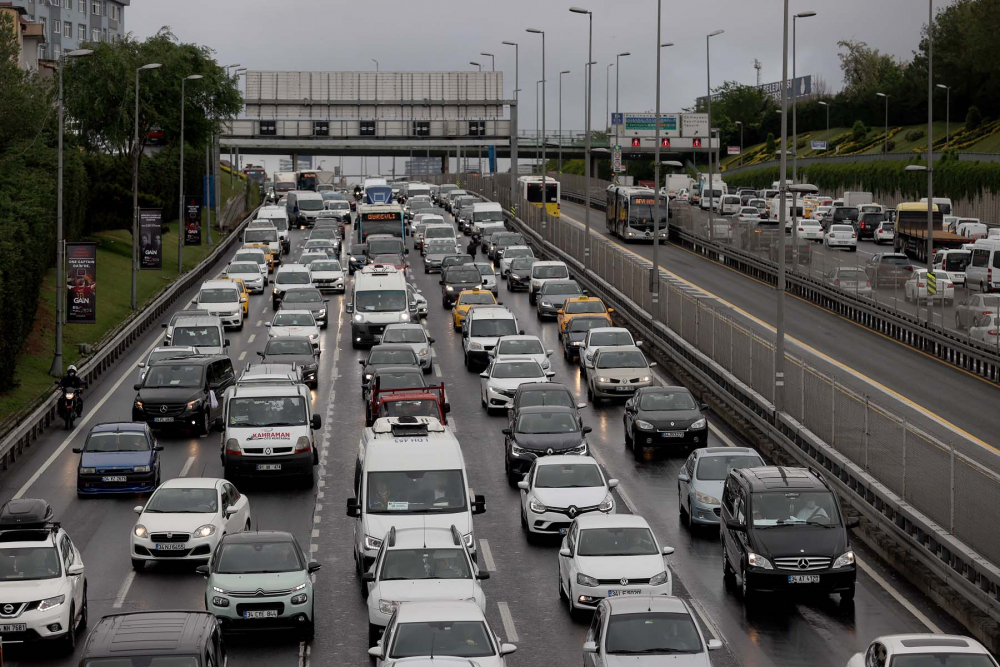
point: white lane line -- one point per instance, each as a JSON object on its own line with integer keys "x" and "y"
{"x": 484, "y": 549}
{"x": 251, "y": 338}
{"x": 243, "y": 355}
{"x": 437, "y": 370}
{"x": 453, "y": 424}
{"x": 187, "y": 466}
{"x": 719, "y": 434}
{"x": 259, "y": 322}
{"x": 706, "y": 619}
{"x": 508, "y": 622}
{"x": 123, "y": 591}
{"x": 906, "y": 604}
{"x": 83, "y": 422}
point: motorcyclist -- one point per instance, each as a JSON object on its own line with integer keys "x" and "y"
{"x": 473, "y": 246}
{"x": 73, "y": 381}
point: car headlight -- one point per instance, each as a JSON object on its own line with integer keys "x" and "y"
{"x": 475, "y": 346}
{"x": 301, "y": 598}
{"x": 515, "y": 450}
{"x": 313, "y": 336}
{"x": 88, "y": 471}
{"x": 577, "y": 343}
{"x": 584, "y": 580}
{"x": 275, "y": 291}
{"x": 219, "y": 601}
{"x": 495, "y": 389}
{"x": 139, "y": 530}
{"x": 607, "y": 504}
{"x": 546, "y": 304}
{"x": 359, "y": 317}
{"x": 756, "y": 560}
{"x": 221, "y": 591}
{"x": 659, "y": 579}
{"x": 403, "y": 317}
{"x": 449, "y": 288}
{"x": 372, "y": 543}
{"x": 322, "y": 312}
{"x": 515, "y": 276}
{"x": 536, "y": 507}
{"x": 140, "y": 469}
{"x": 138, "y": 404}
{"x": 698, "y": 424}
{"x": 204, "y": 531}
{"x": 51, "y": 603}
{"x": 193, "y": 404}
{"x": 468, "y": 540}
{"x": 423, "y": 353}
{"x": 706, "y": 499}
{"x": 579, "y": 449}
{"x": 387, "y": 607}
{"x": 603, "y": 379}
{"x": 643, "y": 424}
{"x": 845, "y": 559}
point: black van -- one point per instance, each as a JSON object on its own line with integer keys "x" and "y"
{"x": 177, "y": 392}
{"x": 189, "y": 638}
{"x": 782, "y": 531}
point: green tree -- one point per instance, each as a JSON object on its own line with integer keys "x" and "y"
{"x": 866, "y": 70}
{"x": 771, "y": 146}
{"x": 973, "y": 118}
{"x": 859, "y": 131}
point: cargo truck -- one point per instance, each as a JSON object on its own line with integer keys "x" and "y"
{"x": 911, "y": 231}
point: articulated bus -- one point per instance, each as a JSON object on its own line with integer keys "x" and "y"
{"x": 531, "y": 190}
{"x": 630, "y": 213}
{"x": 380, "y": 219}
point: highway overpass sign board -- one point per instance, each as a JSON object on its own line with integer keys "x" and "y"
{"x": 694, "y": 125}
{"x": 644, "y": 124}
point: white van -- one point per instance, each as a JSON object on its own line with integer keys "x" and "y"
{"x": 943, "y": 204}
{"x": 269, "y": 432}
{"x": 730, "y": 205}
{"x": 223, "y": 299}
{"x": 439, "y": 231}
{"x": 487, "y": 218}
{"x": 971, "y": 228}
{"x": 267, "y": 236}
{"x": 202, "y": 332}
{"x": 278, "y": 216}
{"x": 378, "y": 298}
{"x": 983, "y": 272}
{"x": 481, "y": 329}
{"x": 410, "y": 473}
{"x": 417, "y": 190}
{"x": 303, "y": 207}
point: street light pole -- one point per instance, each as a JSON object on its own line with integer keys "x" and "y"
{"x": 779, "y": 346}
{"x": 822, "y": 103}
{"x": 708, "y": 84}
{"x": 618, "y": 72}
{"x": 654, "y": 274}
{"x": 795, "y": 104}
{"x": 180, "y": 183}
{"x": 607, "y": 97}
{"x": 493, "y": 60}
{"x": 514, "y": 116}
{"x": 587, "y": 119}
{"x": 885, "y": 149}
{"x": 565, "y": 71}
{"x": 947, "y": 126}
{"x": 740, "y": 123}
{"x": 378, "y": 158}
{"x": 545, "y": 192}
{"x": 930, "y": 140}
{"x": 538, "y": 124}
{"x": 135, "y": 188}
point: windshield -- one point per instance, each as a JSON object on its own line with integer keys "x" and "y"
{"x": 421, "y": 407}
{"x": 387, "y": 259}
{"x": 168, "y": 353}
{"x": 517, "y": 369}
{"x": 616, "y": 542}
{"x": 439, "y": 233}
{"x": 326, "y": 265}
{"x": 438, "y": 247}
{"x": 408, "y": 335}
{"x": 462, "y": 275}
{"x": 521, "y": 263}
{"x": 395, "y": 357}
{"x": 652, "y": 632}
{"x": 257, "y": 258}
{"x": 260, "y": 236}
{"x": 484, "y": 269}
{"x": 511, "y": 253}
{"x": 844, "y": 213}
{"x": 218, "y": 295}
{"x": 521, "y": 346}
{"x": 898, "y": 260}
{"x": 321, "y": 234}
{"x": 293, "y": 278}
{"x": 716, "y": 468}
{"x": 610, "y": 338}
{"x": 306, "y": 259}
{"x": 380, "y": 301}
{"x": 547, "y": 397}
{"x": 405, "y": 564}
{"x": 29, "y": 563}
{"x": 400, "y": 379}
{"x": 419, "y": 204}
{"x": 385, "y": 247}
{"x": 674, "y": 400}
{"x": 475, "y": 299}
{"x": 310, "y": 204}
{"x": 568, "y": 476}
{"x": 465, "y": 639}
{"x": 585, "y": 307}
{"x": 303, "y": 296}
{"x": 274, "y": 411}
{"x": 284, "y": 346}
{"x": 547, "y": 422}
{"x": 173, "y": 375}
{"x": 338, "y": 205}
{"x": 508, "y": 239}
{"x": 560, "y": 288}
{"x": 245, "y": 267}
{"x": 416, "y": 491}
{"x": 487, "y": 216}
{"x": 117, "y": 442}
{"x": 579, "y": 324}
{"x": 549, "y": 271}
{"x": 798, "y": 507}
{"x": 490, "y": 328}
{"x": 939, "y": 658}
{"x": 624, "y": 359}
{"x": 258, "y": 558}
{"x": 175, "y": 500}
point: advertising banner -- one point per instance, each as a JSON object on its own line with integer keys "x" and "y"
{"x": 733, "y": 150}
{"x": 151, "y": 238}
{"x": 192, "y": 220}
{"x": 81, "y": 283}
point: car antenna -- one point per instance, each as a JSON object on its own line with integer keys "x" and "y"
{"x": 424, "y": 518}
{"x": 433, "y": 637}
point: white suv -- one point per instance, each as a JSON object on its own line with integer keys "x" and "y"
{"x": 43, "y": 588}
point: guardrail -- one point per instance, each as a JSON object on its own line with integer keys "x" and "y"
{"x": 919, "y": 488}
{"x": 115, "y": 344}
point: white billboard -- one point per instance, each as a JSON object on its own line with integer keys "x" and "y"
{"x": 694, "y": 125}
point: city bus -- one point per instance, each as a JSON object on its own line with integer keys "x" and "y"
{"x": 629, "y": 213}
{"x": 531, "y": 190}
{"x": 254, "y": 173}
{"x": 377, "y": 191}
{"x": 380, "y": 219}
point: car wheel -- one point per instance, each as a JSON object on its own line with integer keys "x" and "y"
{"x": 590, "y": 393}
{"x": 309, "y": 631}
{"x": 138, "y": 564}
{"x": 637, "y": 449}
{"x": 628, "y": 437}
{"x": 512, "y": 478}
{"x": 229, "y": 472}
{"x": 728, "y": 575}
{"x": 531, "y": 298}
{"x": 958, "y": 322}
{"x": 848, "y": 595}
{"x": 429, "y": 369}
{"x": 745, "y": 591}
{"x": 566, "y": 355}
{"x": 374, "y": 634}
{"x": 562, "y": 593}
{"x": 685, "y": 515}
{"x": 69, "y": 641}
{"x": 84, "y": 612}
{"x": 204, "y": 427}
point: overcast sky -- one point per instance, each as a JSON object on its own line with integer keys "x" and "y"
{"x": 436, "y": 35}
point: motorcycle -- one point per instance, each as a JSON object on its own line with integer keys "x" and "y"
{"x": 473, "y": 246}
{"x": 68, "y": 405}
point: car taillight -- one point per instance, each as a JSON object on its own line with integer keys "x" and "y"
{"x": 986, "y": 312}
{"x": 920, "y": 284}
{"x": 854, "y": 236}
{"x": 837, "y": 281}
{"x": 950, "y": 285}
{"x": 801, "y": 230}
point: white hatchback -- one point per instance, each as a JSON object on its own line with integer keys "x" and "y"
{"x": 557, "y": 489}
{"x": 842, "y": 236}
{"x": 522, "y": 346}
{"x": 810, "y": 230}
{"x": 294, "y": 323}
{"x": 501, "y": 380}
{"x": 916, "y": 288}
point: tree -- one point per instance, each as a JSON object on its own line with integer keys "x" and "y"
{"x": 866, "y": 70}
{"x": 771, "y": 147}
{"x": 733, "y": 101}
{"x": 973, "y": 118}
{"x": 859, "y": 131}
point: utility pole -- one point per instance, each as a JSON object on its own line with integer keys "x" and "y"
{"x": 779, "y": 346}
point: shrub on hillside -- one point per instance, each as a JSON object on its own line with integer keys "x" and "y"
{"x": 973, "y": 118}
{"x": 771, "y": 147}
{"x": 914, "y": 135}
{"x": 859, "y": 131}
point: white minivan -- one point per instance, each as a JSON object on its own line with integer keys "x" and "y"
{"x": 378, "y": 298}
{"x": 223, "y": 299}
{"x": 303, "y": 207}
{"x": 983, "y": 272}
{"x": 487, "y": 218}
{"x": 481, "y": 329}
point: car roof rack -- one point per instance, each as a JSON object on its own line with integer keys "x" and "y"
{"x": 23, "y": 513}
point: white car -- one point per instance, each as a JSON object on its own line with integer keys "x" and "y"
{"x": 43, "y": 588}
{"x": 250, "y": 273}
{"x": 923, "y": 649}
{"x": 541, "y": 273}
{"x": 308, "y": 257}
{"x": 327, "y": 275}
{"x": 599, "y": 337}
{"x": 489, "y": 276}
{"x": 915, "y": 287}
{"x": 607, "y": 555}
{"x": 810, "y": 230}
{"x": 414, "y": 335}
{"x": 522, "y": 346}
{"x": 885, "y": 233}
{"x": 748, "y": 214}
{"x": 185, "y": 518}
{"x": 221, "y": 298}
{"x": 420, "y": 564}
{"x": 166, "y": 352}
{"x": 986, "y": 329}
{"x": 293, "y": 323}
{"x": 558, "y": 488}
{"x": 511, "y": 252}
{"x": 417, "y": 297}
{"x": 842, "y": 236}
{"x": 955, "y": 262}
{"x": 457, "y": 629}
{"x": 500, "y": 381}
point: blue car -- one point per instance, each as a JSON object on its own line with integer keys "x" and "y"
{"x": 118, "y": 457}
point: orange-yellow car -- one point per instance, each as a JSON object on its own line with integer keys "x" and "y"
{"x": 467, "y": 299}
{"x": 581, "y": 305}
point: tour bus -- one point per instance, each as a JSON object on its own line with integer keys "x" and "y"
{"x": 531, "y": 190}
{"x": 380, "y": 219}
{"x": 630, "y": 213}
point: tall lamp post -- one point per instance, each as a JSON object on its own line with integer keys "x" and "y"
{"x": 885, "y": 149}
{"x": 779, "y": 345}
{"x": 493, "y": 60}
{"x": 930, "y": 142}
{"x": 378, "y": 158}
{"x": 545, "y": 192}
{"x": 795, "y": 100}
{"x": 565, "y": 71}
{"x": 516, "y": 67}
{"x": 586, "y": 158}
{"x": 513, "y": 149}
{"x": 56, "y": 368}
{"x": 180, "y": 183}
{"x": 947, "y": 125}
{"x": 708, "y": 83}
{"x": 654, "y": 274}
{"x": 607, "y": 96}
{"x": 827, "y": 105}
{"x": 538, "y": 124}
{"x": 740, "y": 123}
{"x": 475, "y": 64}
{"x": 618, "y": 76}
{"x": 135, "y": 188}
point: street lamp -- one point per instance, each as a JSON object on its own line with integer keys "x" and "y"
{"x": 947, "y": 126}
{"x": 795, "y": 100}
{"x": 740, "y": 123}
{"x": 493, "y": 60}
{"x": 135, "y": 188}
{"x": 779, "y": 345}
{"x": 56, "y": 368}
{"x": 586, "y": 149}
{"x": 654, "y": 274}
{"x": 618, "y": 72}
{"x": 475, "y": 64}
{"x": 180, "y": 182}
{"x": 234, "y": 159}
{"x": 229, "y": 67}
{"x": 885, "y": 150}
{"x": 565, "y": 71}
{"x": 708, "y": 81}
{"x": 545, "y": 192}
{"x": 513, "y": 129}
{"x": 822, "y": 103}
{"x": 516, "y": 67}
{"x": 538, "y": 109}
{"x": 607, "y": 96}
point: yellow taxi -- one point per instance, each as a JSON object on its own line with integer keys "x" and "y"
{"x": 581, "y": 305}
{"x": 244, "y": 294}
{"x": 468, "y": 298}
{"x": 267, "y": 253}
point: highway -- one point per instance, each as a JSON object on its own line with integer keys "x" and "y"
{"x": 523, "y": 605}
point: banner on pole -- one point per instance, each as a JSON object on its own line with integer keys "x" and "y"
{"x": 192, "y": 220}
{"x": 151, "y": 238}
{"x": 616, "y": 159}
{"x": 81, "y": 283}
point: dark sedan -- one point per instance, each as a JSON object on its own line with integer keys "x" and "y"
{"x": 541, "y": 431}
{"x": 454, "y": 279}
{"x": 296, "y": 350}
{"x": 307, "y": 298}
{"x": 519, "y": 276}
{"x": 553, "y": 294}
{"x": 435, "y": 251}
{"x": 118, "y": 457}
{"x": 576, "y": 331}
{"x": 544, "y": 393}
{"x": 356, "y": 257}
{"x": 664, "y": 417}
{"x": 386, "y": 354}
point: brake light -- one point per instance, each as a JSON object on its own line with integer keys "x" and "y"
{"x": 854, "y": 236}
{"x": 986, "y": 312}
{"x": 950, "y": 285}
{"x": 993, "y": 333}
{"x": 920, "y": 284}
{"x": 837, "y": 281}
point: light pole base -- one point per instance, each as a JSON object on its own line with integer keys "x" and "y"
{"x": 56, "y": 369}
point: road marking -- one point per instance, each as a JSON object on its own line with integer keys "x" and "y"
{"x": 437, "y": 370}
{"x": 706, "y": 619}
{"x": 484, "y": 549}
{"x": 259, "y": 322}
{"x": 870, "y": 571}
{"x": 123, "y": 591}
{"x": 453, "y": 423}
{"x": 250, "y": 339}
{"x": 187, "y": 466}
{"x": 243, "y": 355}
{"x": 83, "y": 422}
{"x": 508, "y": 622}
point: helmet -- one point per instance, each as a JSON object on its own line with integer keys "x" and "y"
{"x": 71, "y": 370}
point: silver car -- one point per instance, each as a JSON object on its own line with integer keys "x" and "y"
{"x": 853, "y": 280}
{"x": 618, "y": 372}
{"x": 489, "y": 276}
{"x": 700, "y": 481}
{"x": 416, "y": 337}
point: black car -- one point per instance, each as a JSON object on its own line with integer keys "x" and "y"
{"x": 435, "y": 251}
{"x": 576, "y": 331}
{"x": 867, "y": 224}
{"x": 454, "y": 279}
{"x": 664, "y": 417}
{"x": 178, "y": 392}
{"x": 356, "y": 257}
{"x": 782, "y": 531}
{"x": 544, "y": 393}
{"x": 189, "y": 638}
{"x": 519, "y": 276}
{"x": 307, "y": 298}
{"x": 553, "y": 294}
{"x": 296, "y": 350}
{"x": 456, "y": 260}
{"x": 502, "y": 240}
{"x": 386, "y": 354}
{"x": 541, "y": 430}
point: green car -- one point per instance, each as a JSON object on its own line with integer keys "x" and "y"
{"x": 260, "y": 580}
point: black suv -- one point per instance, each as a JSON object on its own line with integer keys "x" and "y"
{"x": 783, "y": 531}
{"x": 178, "y": 392}
{"x": 191, "y": 638}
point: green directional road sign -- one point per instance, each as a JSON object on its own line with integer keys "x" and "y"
{"x": 931, "y": 283}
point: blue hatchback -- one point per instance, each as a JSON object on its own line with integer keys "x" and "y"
{"x": 118, "y": 457}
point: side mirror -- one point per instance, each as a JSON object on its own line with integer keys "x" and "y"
{"x": 137, "y": 386}
{"x": 550, "y": 374}
{"x": 548, "y": 353}
{"x": 703, "y": 406}
{"x": 714, "y": 644}
{"x": 446, "y": 408}
{"x": 612, "y": 483}
{"x": 507, "y": 649}
{"x": 231, "y": 510}
{"x": 588, "y": 429}
{"x": 430, "y": 340}
{"x": 315, "y": 423}
{"x": 225, "y": 343}
{"x": 482, "y": 576}
{"x": 267, "y": 324}
{"x": 505, "y": 431}
{"x": 376, "y": 651}
{"x": 137, "y": 509}
{"x": 565, "y": 552}
{"x": 484, "y": 374}
{"x": 194, "y": 301}
{"x": 652, "y": 364}
{"x": 361, "y": 362}
{"x": 349, "y": 308}
{"x": 368, "y": 576}
{"x": 682, "y": 476}
{"x": 610, "y": 310}
{"x": 157, "y": 448}
{"x": 440, "y": 282}
{"x": 243, "y": 299}
{"x": 590, "y": 647}
{"x": 260, "y": 354}
{"x": 667, "y": 551}
{"x": 520, "y": 332}
{"x": 560, "y": 312}
{"x": 479, "y": 504}
{"x": 852, "y": 522}
{"x": 164, "y": 325}
{"x": 77, "y": 450}
{"x": 353, "y": 508}
{"x": 581, "y": 406}
{"x": 202, "y": 569}
{"x": 638, "y": 343}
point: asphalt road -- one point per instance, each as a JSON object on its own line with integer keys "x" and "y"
{"x": 523, "y": 605}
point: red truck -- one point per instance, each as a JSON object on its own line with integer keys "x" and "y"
{"x": 411, "y": 401}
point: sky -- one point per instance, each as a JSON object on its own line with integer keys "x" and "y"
{"x": 445, "y": 35}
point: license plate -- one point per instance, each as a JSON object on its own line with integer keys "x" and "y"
{"x": 378, "y": 338}
{"x": 624, "y": 388}
{"x": 171, "y": 546}
{"x": 114, "y": 478}
{"x": 672, "y": 434}
{"x": 261, "y": 613}
{"x": 163, "y": 419}
{"x": 268, "y": 466}
{"x": 14, "y": 627}
{"x": 563, "y": 531}
{"x": 619, "y": 593}
{"x": 803, "y": 578}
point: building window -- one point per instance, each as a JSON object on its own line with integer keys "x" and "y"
{"x": 56, "y": 52}
{"x": 95, "y": 9}
{"x": 56, "y": 27}
{"x": 68, "y": 30}
{"x": 54, "y": 3}
{"x": 82, "y": 6}
{"x": 82, "y": 32}
{"x": 69, "y": 4}
{"x": 45, "y": 25}
{"x": 95, "y": 35}
{"x": 115, "y": 11}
